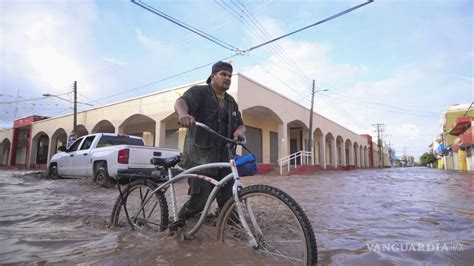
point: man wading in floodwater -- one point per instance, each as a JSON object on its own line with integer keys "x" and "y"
{"x": 211, "y": 105}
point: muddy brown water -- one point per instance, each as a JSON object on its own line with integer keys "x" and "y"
{"x": 401, "y": 216}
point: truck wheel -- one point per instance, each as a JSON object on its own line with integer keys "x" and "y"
{"x": 53, "y": 172}
{"x": 102, "y": 178}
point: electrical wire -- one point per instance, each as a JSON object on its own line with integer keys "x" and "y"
{"x": 229, "y": 46}
{"x": 260, "y": 32}
{"x": 309, "y": 26}
{"x": 278, "y": 47}
{"x": 186, "y": 26}
{"x": 163, "y": 79}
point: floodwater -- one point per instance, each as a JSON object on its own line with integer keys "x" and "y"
{"x": 401, "y": 216}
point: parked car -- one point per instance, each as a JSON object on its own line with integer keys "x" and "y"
{"x": 103, "y": 155}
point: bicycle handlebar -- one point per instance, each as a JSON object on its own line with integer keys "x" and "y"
{"x": 212, "y": 131}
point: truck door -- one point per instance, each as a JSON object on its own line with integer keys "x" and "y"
{"x": 80, "y": 161}
{"x": 65, "y": 163}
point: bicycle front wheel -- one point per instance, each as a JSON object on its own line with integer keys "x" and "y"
{"x": 282, "y": 230}
{"x": 146, "y": 210}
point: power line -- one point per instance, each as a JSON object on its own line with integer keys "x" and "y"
{"x": 163, "y": 79}
{"x": 229, "y": 46}
{"x": 186, "y": 26}
{"x": 261, "y": 33}
{"x": 278, "y": 47}
{"x": 309, "y": 26}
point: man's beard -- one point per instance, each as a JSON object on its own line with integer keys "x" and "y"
{"x": 225, "y": 86}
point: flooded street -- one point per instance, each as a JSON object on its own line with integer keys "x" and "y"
{"x": 399, "y": 216}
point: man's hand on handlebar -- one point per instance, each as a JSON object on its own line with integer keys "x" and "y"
{"x": 239, "y": 133}
{"x": 186, "y": 121}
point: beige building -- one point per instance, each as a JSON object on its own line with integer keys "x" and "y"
{"x": 276, "y": 128}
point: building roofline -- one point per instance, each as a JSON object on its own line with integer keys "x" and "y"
{"x": 291, "y": 100}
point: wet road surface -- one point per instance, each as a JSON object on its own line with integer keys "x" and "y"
{"x": 401, "y": 216}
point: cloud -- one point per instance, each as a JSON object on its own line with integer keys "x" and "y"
{"x": 44, "y": 46}
{"x": 404, "y": 130}
{"x": 152, "y": 44}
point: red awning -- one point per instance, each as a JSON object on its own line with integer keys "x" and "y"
{"x": 466, "y": 138}
{"x": 460, "y": 125}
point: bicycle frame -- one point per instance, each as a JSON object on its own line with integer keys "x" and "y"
{"x": 217, "y": 186}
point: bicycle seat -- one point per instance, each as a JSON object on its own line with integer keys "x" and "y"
{"x": 166, "y": 162}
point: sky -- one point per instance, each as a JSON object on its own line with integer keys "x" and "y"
{"x": 397, "y": 63}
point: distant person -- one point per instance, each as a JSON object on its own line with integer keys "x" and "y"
{"x": 211, "y": 105}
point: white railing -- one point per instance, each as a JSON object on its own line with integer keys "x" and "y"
{"x": 305, "y": 157}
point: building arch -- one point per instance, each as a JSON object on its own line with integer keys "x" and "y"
{"x": 264, "y": 132}
{"x": 349, "y": 152}
{"x": 5, "y": 148}
{"x": 141, "y": 126}
{"x": 356, "y": 154}
{"x": 103, "y": 126}
{"x": 330, "y": 149}
{"x": 81, "y": 130}
{"x": 319, "y": 147}
{"x": 39, "y": 149}
{"x": 366, "y": 159}
{"x": 59, "y": 138}
{"x": 298, "y": 135}
{"x": 340, "y": 151}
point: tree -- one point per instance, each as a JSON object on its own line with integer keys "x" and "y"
{"x": 427, "y": 158}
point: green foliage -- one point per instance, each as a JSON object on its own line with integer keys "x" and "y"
{"x": 427, "y": 158}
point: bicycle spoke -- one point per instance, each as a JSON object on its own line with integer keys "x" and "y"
{"x": 147, "y": 209}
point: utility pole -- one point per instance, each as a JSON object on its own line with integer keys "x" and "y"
{"x": 74, "y": 127}
{"x": 310, "y": 133}
{"x": 16, "y": 104}
{"x": 379, "y": 142}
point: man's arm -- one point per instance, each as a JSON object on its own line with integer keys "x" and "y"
{"x": 184, "y": 119}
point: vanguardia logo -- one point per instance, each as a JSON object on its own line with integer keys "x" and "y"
{"x": 415, "y": 246}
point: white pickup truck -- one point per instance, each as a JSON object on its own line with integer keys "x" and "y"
{"x": 103, "y": 155}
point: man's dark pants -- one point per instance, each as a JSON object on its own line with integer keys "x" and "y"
{"x": 199, "y": 191}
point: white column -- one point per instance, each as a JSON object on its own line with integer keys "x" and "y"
{"x": 283, "y": 141}
{"x": 322, "y": 151}
{"x": 334, "y": 153}
{"x": 343, "y": 153}
{"x": 160, "y": 131}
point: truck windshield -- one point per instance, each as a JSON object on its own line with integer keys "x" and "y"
{"x": 106, "y": 141}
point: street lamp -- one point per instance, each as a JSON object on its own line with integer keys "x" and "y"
{"x": 75, "y": 102}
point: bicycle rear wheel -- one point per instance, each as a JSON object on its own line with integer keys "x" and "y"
{"x": 146, "y": 210}
{"x": 284, "y": 233}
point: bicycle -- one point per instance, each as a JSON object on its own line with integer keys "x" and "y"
{"x": 260, "y": 216}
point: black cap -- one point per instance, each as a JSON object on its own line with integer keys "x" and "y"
{"x": 218, "y": 67}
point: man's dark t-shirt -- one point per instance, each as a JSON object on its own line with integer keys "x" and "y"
{"x": 201, "y": 147}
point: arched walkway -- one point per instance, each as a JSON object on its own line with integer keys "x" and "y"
{"x": 104, "y": 126}
{"x": 264, "y": 132}
{"x": 319, "y": 148}
{"x": 5, "y": 148}
{"x": 349, "y": 152}
{"x": 39, "y": 149}
{"x": 330, "y": 150}
{"x": 59, "y": 138}
{"x": 81, "y": 131}
{"x": 341, "y": 154}
{"x": 356, "y": 154}
{"x": 141, "y": 126}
